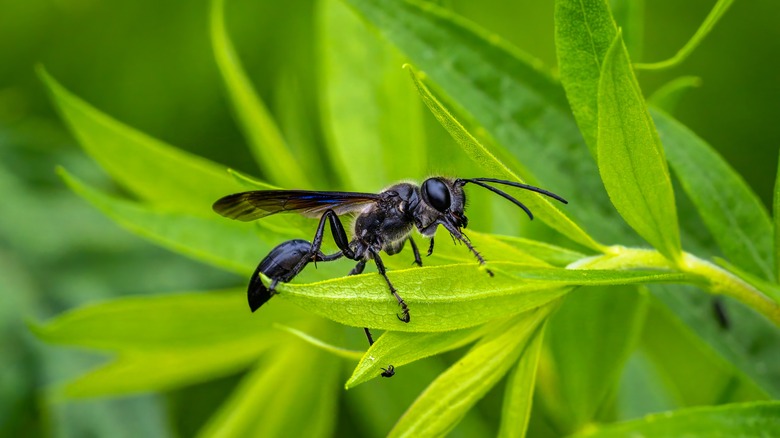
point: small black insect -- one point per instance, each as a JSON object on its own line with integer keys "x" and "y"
{"x": 384, "y": 222}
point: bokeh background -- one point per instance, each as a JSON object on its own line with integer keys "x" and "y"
{"x": 149, "y": 64}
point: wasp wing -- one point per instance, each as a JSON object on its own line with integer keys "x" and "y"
{"x": 248, "y": 206}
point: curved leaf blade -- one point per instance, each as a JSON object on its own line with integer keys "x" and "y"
{"x": 518, "y": 398}
{"x": 713, "y": 17}
{"x": 167, "y": 369}
{"x": 668, "y": 96}
{"x": 266, "y": 142}
{"x": 179, "y": 321}
{"x": 584, "y": 32}
{"x": 735, "y": 420}
{"x": 441, "y": 406}
{"x": 399, "y": 349}
{"x": 734, "y": 215}
{"x": 631, "y": 157}
{"x": 151, "y": 169}
{"x": 449, "y": 297}
{"x": 304, "y": 402}
{"x": 213, "y": 240}
{"x": 487, "y": 161}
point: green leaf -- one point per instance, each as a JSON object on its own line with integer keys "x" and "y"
{"x": 630, "y": 16}
{"x": 735, "y": 420}
{"x": 668, "y": 96}
{"x": 706, "y": 377}
{"x": 584, "y": 32}
{"x": 372, "y": 117}
{"x": 494, "y": 168}
{"x": 715, "y": 14}
{"x": 449, "y": 297}
{"x": 183, "y": 320}
{"x": 166, "y": 341}
{"x": 631, "y": 157}
{"x": 266, "y": 143}
{"x": 298, "y": 384}
{"x": 227, "y": 244}
{"x": 518, "y": 398}
{"x": 311, "y": 340}
{"x": 734, "y": 215}
{"x": 399, "y": 349}
{"x": 441, "y": 406}
{"x": 554, "y": 255}
{"x": 169, "y": 368}
{"x": 151, "y": 169}
{"x": 590, "y": 339}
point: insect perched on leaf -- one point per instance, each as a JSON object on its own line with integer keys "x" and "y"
{"x": 384, "y": 222}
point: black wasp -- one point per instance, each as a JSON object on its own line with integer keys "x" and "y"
{"x": 384, "y": 222}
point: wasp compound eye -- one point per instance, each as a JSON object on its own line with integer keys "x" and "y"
{"x": 436, "y": 194}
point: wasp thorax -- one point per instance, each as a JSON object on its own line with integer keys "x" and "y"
{"x": 436, "y": 194}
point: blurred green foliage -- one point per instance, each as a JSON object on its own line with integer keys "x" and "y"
{"x": 151, "y": 65}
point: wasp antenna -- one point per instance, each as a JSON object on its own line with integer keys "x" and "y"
{"x": 502, "y": 194}
{"x": 521, "y": 186}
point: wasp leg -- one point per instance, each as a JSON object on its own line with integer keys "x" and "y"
{"x": 358, "y": 269}
{"x": 430, "y": 248}
{"x": 380, "y": 266}
{"x": 416, "y": 252}
{"x": 456, "y": 234}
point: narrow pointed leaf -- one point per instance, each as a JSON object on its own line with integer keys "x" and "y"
{"x": 227, "y": 244}
{"x": 319, "y": 343}
{"x": 184, "y": 320}
{"x": 630, "y": 16}
{"x": 399, "y": 349}
{"x": 631, "y": 157}
{"x": 669, "y": 95}
{"x": 372, "y": 116}
{"x": 713, "y": 17}
{"x": 441, "y": 406}
{"x": 735, "y": 420}
{"x": 449, "y": 297}
{"x": 151, "y": 169}
{"x": 494, "y": 168}
{"x": 169, "y": 368}
{"x": 735, "y": 216}
{"x": 552, "y": 254}
{"x": 297, "y": 384}
{"x": 266, "y": 142}
{"x": 590, "y": 352}
{"x": 584, "y": 32}
{"x": 518, "y": 398}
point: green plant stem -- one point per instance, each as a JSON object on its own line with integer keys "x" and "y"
{"x": 710, "y": 277}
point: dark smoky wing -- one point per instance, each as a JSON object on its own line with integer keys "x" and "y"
{"x": 248, "y": 206}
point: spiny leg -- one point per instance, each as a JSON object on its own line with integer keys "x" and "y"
{"x": 380, "y": 266}
{"x": 430, "y": 248}
{"x": 417, "y": 258}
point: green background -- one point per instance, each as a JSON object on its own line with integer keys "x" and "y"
{"x": 150, "y": 65}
